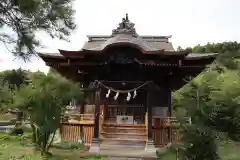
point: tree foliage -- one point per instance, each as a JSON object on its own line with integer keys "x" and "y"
{"x": 199, "y": 143}
{"x": 229, "y": 53}
{"x": 212, "y": 100}
{"x": 14, "y": 78}
{"x": 5, "y": 96}
{"x": 26, "y": 17}
{"x": 43, "y": 101}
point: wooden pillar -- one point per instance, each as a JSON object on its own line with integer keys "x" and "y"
{"x": 82, "y": 112}
{"x": 95, "y": 146}
{"x": 97, "y": 113}
{"x": 105, "y": 110}
{"x": 170, "y": 114}
{"x": 145, "y": 101}
{"x": 150, "y": 144}
{"x": 149, "y": 109}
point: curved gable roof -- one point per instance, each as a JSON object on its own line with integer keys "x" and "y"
{"x": 140, "y": 42}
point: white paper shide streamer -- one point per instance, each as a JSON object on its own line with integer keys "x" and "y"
{"x": 107, "y": 95}
{"x": 128, "y": 92}
{"x": 116, "y": 96}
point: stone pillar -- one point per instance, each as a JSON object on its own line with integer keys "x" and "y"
{"x": 150, "y": 145}
{"x": 95, "y": 146}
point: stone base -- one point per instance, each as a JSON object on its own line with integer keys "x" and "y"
{"x": 95, "y": 147}
{"x": 150, "y": 147}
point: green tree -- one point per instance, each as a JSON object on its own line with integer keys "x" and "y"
{"x": 225, "y": 113}
{"x": 229, "y": 52}
{"x": 15, "y": 78}
{"x": 212, "y": 100}
{"x": 44, "y": 100}
{"x": 199, "y": 143}
{"x": 5, "y": 96}
{"x": 198, "y": 138}
{"x": 26, "y": 17}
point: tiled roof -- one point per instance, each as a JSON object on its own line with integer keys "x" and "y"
{"x": 146, "y": 43}
{"x": 126, "y": 35}
{"x": 195, "y": 56}
{"x": 55, "y": 54}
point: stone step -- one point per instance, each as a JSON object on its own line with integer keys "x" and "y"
{"x": 122, "y": 158}
{"x": 124, "y": 135}
{"x": 124, "y": 147}
{"x": 123, "y": 141}
{"x": 131, "y": 154}
{"x": 123, "y": 129}
{"x": 125, "y": 125}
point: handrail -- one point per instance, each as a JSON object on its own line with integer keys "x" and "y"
{"x": 76, "y": 114}
{"x": 83, "y": 117}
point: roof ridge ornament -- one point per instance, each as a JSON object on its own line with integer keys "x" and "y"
{"x": 125, "y": 27}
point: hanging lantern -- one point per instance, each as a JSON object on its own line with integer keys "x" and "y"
{"x": 128, "y": 96}
{"x": 135, "y": 94}
{"x": 116, "y": 96}
{"x": 108, "y": 93}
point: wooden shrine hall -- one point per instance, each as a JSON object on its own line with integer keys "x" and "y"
{"x": 128, "y": 81}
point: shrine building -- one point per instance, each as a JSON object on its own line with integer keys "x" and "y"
{"x": 128, "y": 80}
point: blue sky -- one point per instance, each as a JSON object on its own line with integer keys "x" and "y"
{"x": 190, "y": 22}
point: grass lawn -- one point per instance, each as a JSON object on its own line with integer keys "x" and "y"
{"x": 20, "y": 148}
{"x": 229, "y": 151}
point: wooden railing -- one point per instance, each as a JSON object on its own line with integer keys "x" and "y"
{"x": 71, "y": 132}
{"x": 161, "y": 127}
{"x": 170, "y": 121}
{"x": 78, "y": 118}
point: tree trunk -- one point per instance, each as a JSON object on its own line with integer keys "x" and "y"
{"x": 36, "y": 137}
{"x": 51, "y": 141}
{"x": 34, "y": 140}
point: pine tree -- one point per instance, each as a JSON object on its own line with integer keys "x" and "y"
{"x": 26, "y": 17}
